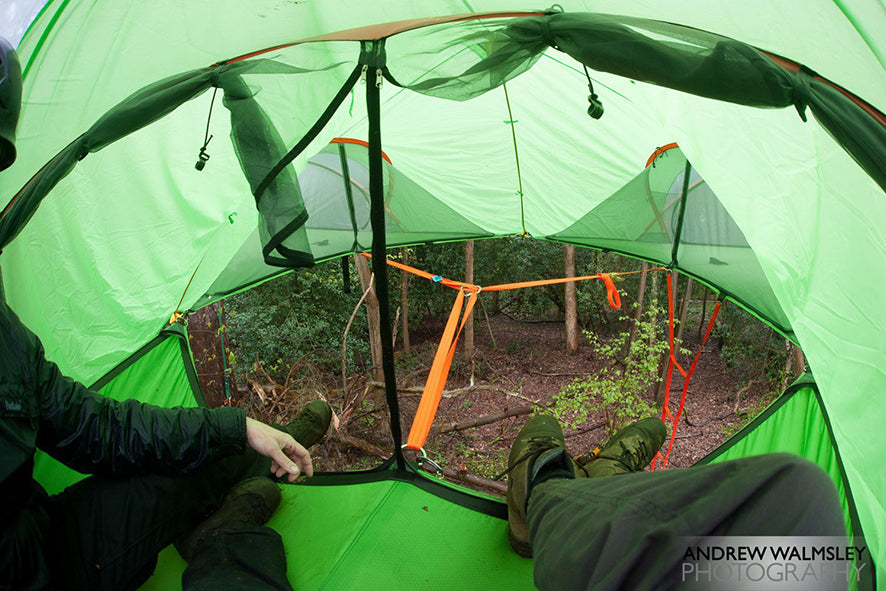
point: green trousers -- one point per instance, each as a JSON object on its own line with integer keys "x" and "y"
{"x": 630, "y": 531}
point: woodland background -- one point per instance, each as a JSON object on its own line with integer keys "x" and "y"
{"x": 559, "y": 349}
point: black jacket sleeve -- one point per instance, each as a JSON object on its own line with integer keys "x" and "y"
{"x": 98, "y": 435}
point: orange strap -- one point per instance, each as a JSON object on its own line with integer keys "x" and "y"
{"x": 433, "y": 390}
{"x": 687, "y": 375}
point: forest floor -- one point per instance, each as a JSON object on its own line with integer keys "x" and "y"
{"x": 517, "y": 367}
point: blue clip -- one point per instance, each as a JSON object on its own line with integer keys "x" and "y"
{"x": 437, "y": 279}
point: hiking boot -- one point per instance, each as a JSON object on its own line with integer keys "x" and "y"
{"x": 538, "y": 454}
{"x": 629, "y": 450}
{"x": 248, "y": 504}
{"x": 310, "y": 425}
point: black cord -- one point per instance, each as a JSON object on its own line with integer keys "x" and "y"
{"x": 202, "y": 157}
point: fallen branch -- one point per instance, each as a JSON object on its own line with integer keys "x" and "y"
{"x": 484, "y": 420}
{"x": 468, "y": 478}
{"x": 688, "y": 435}
{"x": 344, "y": 339}
{"x": 362, "y": 445}
{"x": 357, "y": 401}
{"x": 741, "y": 391}
{"x": 587, "y": 429}
{"x": 416, "y": 391}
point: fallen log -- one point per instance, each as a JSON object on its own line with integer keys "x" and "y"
{"x": 484, "y": 420}
{"x": 468, "y": 478}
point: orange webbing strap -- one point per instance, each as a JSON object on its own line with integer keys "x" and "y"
{"x": 436, "y": 278}
{"x": 688, "y": 375}
{"x": 433, "y": 391}
{"x": 611, "y": 292}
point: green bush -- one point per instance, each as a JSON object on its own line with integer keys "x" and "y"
{"x": 620, "y": 391}
{"x": 300, "y": 315}
{"x": 751, "y": 346}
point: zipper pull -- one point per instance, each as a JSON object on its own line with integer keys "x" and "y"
{"x": 379, "y": 77}
{"x": 363, "y": 74}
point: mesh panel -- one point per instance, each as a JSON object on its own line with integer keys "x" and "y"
{"x": 643, "y": 217}
{"x": 335, "y": 190}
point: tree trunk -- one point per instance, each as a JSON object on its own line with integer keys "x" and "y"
{"x": 638, "y": 311}
{"x": 684, "y": 309}
{"x": 469, "y": 278}
{"x": 404, "y": 299}
{"x": 799, "y": 361}
{"x": 372, "y": 316}
{"x": 704, "y": 310}
{"x": 665, "y": 361}
{"x": 570, "y": 300}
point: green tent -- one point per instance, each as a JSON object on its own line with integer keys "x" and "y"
{"x": 458, "y": 123}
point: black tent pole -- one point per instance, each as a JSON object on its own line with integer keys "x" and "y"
{"x": 379, "y": 244}
{"x": 679, "y": 231}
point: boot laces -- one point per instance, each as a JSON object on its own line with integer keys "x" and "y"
{"x": 537, "y": 445}
{"x": 634, "y": 454}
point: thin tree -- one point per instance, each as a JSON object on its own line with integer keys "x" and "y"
{"x": 372, "y": 316}
{"x": 404, "y": 299}
{"x": 469, "y": 278}
{"x": 665, "y": 358}
{"x": 570, "y": 300}
{"x": 638, "y": 311}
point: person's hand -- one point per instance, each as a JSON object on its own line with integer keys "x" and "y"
{"x": 287, "y": 455}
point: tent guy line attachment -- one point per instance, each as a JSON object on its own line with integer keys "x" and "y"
{"x": 202, "y": 157}
{"x": 511, "y": 121}
{"x": 177, "y": 314}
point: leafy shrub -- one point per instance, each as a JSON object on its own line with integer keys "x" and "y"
{"x": 620, "y": 390}
{"x": 748, "y": 344}
{"x": 300, "y": 315}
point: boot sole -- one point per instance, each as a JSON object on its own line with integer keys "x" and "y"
{"x": 518, "y": 545}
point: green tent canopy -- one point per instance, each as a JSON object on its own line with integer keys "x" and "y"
{"x": 342, "y": 128}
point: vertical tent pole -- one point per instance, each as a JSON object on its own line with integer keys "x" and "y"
{"x": 679, "y": 231}
{"x": 379, "y": 243}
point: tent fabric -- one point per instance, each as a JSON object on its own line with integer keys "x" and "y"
{"x": 133, "y": 229}
{"x": 649, "y": 217}
{"x": 385, "y": 534}
{"x": 797, "y": 423}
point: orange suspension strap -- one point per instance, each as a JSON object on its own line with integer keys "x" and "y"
{"x": 672, "y": 362}
{"x": 463, "y": 307}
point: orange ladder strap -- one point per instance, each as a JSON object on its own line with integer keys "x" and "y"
{"x": 672, "y": 362}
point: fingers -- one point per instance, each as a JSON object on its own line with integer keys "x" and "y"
{"x": 282, "y": 464}
{"x": 287, "y": 455}
{"x": 297, "y": 453}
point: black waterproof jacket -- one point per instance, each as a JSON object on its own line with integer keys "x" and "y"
{"x": 41, "y": 408}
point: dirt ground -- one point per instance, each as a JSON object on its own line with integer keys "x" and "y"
{"x": 524, "y": 367}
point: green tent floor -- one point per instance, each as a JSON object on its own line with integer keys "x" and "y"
{"x": 384, "y": 535}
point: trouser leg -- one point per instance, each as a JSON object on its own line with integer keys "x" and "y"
{"x": 107, "y": 531}
{"x": 629, "y": 531}
{"x": 245, "y": 560}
